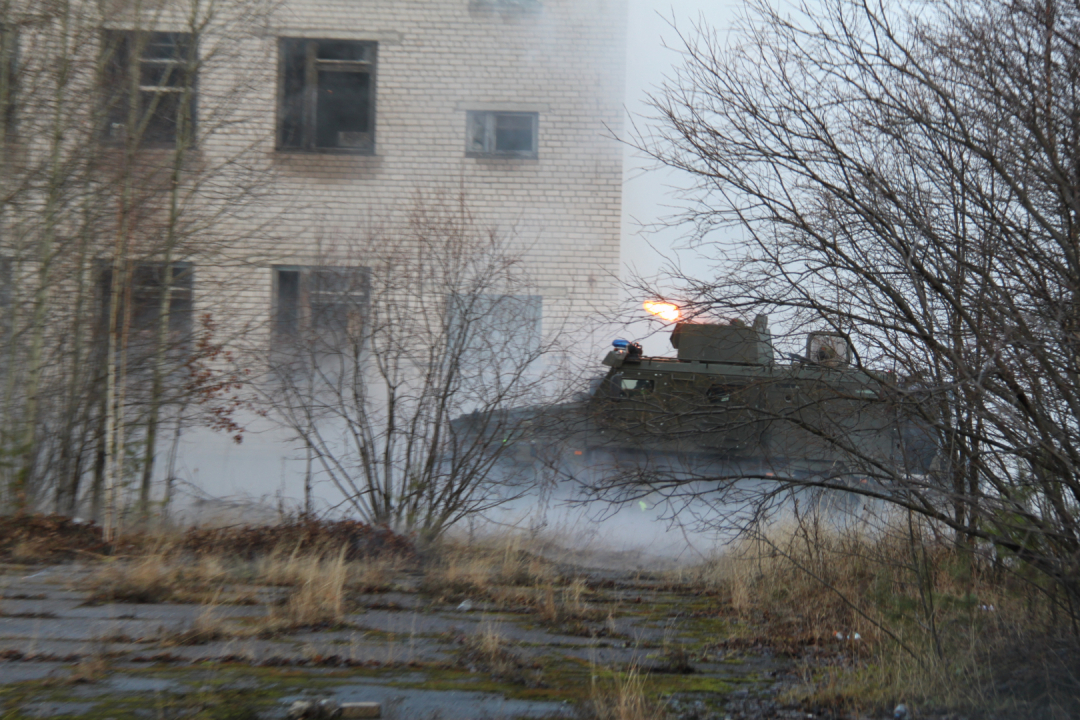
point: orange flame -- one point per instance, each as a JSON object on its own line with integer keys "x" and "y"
{"x": 664, "y": 310}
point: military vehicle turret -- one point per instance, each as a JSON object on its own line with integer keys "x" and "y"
{"x": 724, "y": 405}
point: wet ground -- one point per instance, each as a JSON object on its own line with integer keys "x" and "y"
{"x": 61, "y": 656}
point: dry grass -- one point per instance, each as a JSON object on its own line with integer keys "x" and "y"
{"x": 318, "y": 579}
{"x": 31, "y": 550}
{"x": 566, "y": 608}
{"x": 318, "y": 596}
{"x": 459, "y": 568}
{"x": 170, "y": 575}
{"x": 504, "y": 570}
{"x": 623, "y": 697}
{"x": 294, "y": 568}
{"x": 911, "y": 616}
{"x": 813, "y": 580}
{"x": 90, "y": 669}
{"x": 164, "y": 577}
{"x": 206, "y": 628}
{"x": 488, "y": 651}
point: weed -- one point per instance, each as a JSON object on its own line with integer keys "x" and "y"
{"x": 622, "y": 697}
{"x": 565, "y": 608}
{"x": 319, "y": 595}
{"x": 212, "y": 703}
{"x": 903, "y": 610}
{"x": 674, "y": 658}
{"x": 205, "y": 628}
{"x": 157, "y": 578}
{"x": 31, "y": 550}
{"x": 477, "y": 569}
{"x": 90, "y": 669}
{"x": 488, "y": 651}
{"x": 373, "y": 574}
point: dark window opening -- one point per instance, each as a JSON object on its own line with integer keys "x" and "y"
{"x": 327, "y": 95}
{"x": 164, "y": 68}
{"x": 6, "y": 295}
{"x": 148, "y": 283}
{"x": 502, "y": 134}
{"x": 320, "y": 308}
{"x": 9, "y": 77}
{"x": 287, "y": 315}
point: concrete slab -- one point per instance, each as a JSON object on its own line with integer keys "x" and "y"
{"x": 401, "y": 704}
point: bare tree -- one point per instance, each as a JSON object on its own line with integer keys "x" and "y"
{"x": 909, "y": 178}
{"x": 375, "y": 365}
{"x": 114, "y": 190}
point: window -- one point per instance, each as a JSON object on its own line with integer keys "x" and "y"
{"x": 327, "y": 95}
{"x": 484, "y": 321}
{"x": 828, "y": 348}
{"x": 164, "y": 105}
{"x": 494, "y": 337}
{"x": 148, "y": 283}
{"x": 6, "y": 295}
{"x": 504, "y": 7}
{"x": 501, "y": 134}
{"x": 320, "y": 307}
{"x": 9, "y": 69}
{"x": 635, "y": 387}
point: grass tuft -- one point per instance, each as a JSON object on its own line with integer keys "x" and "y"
{"x": 488, "y": 651}
{"x": 318, "y": 597}
{"x": 623, "y": 697}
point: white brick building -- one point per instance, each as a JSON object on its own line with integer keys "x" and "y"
{"x": 511, "y": 102}
{"x": 449, "y": 84}
{"x": 244, "y": 144}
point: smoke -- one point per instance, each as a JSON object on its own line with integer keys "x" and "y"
{"x": 268, "y": 470}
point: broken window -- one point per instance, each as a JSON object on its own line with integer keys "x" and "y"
{"x": 320, "y": 308}
{"x": 501, "y": 134}
{"x": 327, "y": 95}
{"x": 146, "y": 292}
{"x": 150, "y": 86}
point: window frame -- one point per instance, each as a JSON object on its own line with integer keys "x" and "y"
{"x": 117, "y": 46}
{"x": 281, "y": 337}
{"x": 146, "y": 296}
{"x": 489, "y": 119}
{"x": 9, "y": 77}
{"x": 7, "y": 294}
{"x": 308, "y": 110}
{"x": 488, "y": 332}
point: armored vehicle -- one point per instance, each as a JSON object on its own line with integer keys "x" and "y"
{"x": 723, "y": 406}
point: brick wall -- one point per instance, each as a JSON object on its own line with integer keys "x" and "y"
{"x": 436, "y": 60}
